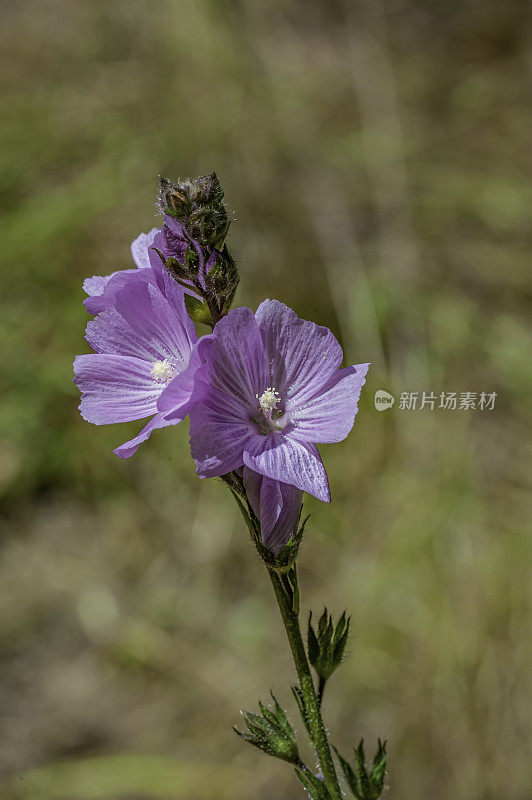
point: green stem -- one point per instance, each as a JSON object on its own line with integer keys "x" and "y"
{"x": 291, "y": 623}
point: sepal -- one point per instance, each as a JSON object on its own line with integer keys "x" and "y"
{"x": 271, "y": 732}
{"x": 326, "y": 647}
{"x": 197, "y": 310}
{"x": 315, "y": 787}
{"x": 366, "y": 781}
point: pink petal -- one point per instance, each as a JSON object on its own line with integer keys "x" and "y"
{"x": 284, "y": 459}
{"x": 115, "y": 388}
{"x": 129, "y": 449}
{"x": 329, "y": 416}
{"x": 179, "y": 391}
{"x": 219, "y": 429}
{"x": 302, "y": 356}
{"x": 155, "y": 323}
{"x": 237, "y": 359}
{"x": 139, "y": 248}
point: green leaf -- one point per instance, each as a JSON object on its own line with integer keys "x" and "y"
{"x": 326, "y": 647}
{"x": 366, "y": 783}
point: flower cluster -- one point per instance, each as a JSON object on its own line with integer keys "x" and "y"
{"x": 261, "y": 391}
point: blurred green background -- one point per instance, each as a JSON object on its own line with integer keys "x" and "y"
{"x": 376, "y": 155}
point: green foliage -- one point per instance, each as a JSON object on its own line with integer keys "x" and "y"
{"x": 326, "y": 647}
{"x": 366, "y": 782}
{"x": 315, "y": 787}
{"x": 271, "y": 732}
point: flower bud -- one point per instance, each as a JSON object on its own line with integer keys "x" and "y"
{"x": 271, "y": 732}
{"x": 326, "y": 647}
{"x": 221, "y": 274}
{"x": 198, "y": 204}
{"x": 174, "y": 198}
{"x": 191, "y": 240}
{"x": 367, "y": 781}
{"x": 277, "y": 508}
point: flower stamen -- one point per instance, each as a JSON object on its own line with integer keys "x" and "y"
{"x": 269, "y": 400}
{"x": 162, "y": 371}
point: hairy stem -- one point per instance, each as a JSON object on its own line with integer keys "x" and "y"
{"x": 291, "y": 623}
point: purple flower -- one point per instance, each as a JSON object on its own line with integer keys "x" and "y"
{"x": 272, "y": 388}
{"x": 144, "y": 339}
{"x": 102, "y": 288}
{"x": 277, "y": 505}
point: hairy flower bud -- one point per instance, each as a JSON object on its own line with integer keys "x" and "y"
{"x": 326, "y": 647}
{"x": 197, "y": 203}
{"x": 271, "y": 732}
{"x": 366, "y": 781}
{"x": 174, "y": 198}
{"x": 221, "y": 274}
{"x": 191, "y": 240}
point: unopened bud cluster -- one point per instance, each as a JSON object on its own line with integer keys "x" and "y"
{"x": 198, "y": 203}
{"x": 271, "y": 732}
{"x": 326, "y": 646}
{"x": 192, "y": 242}
{"x": 366, "y": 781}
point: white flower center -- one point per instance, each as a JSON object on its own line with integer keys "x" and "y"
{"x": 269, "y": 400}
{"x": 162, "y": 371}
